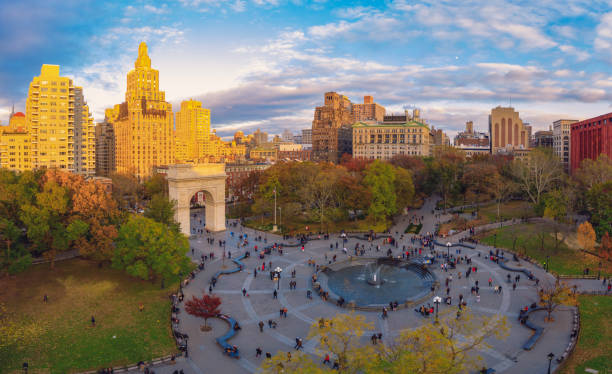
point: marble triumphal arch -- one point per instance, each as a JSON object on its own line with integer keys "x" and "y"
{"x": 185, "y": 180}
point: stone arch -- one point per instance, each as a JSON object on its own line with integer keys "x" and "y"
{"x": 185, "y": 180}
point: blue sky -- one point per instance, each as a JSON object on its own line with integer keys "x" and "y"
{"x": 267, "y": 63}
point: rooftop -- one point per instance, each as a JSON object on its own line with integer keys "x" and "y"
{"x": 411, "y": 123}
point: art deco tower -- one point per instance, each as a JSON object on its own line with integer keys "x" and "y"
{"x": 143, "y": 124}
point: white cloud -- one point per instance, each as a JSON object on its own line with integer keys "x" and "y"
{"x": 603, "y": 40}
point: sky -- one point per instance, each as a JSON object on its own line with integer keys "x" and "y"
{"x": 267, "y": 63}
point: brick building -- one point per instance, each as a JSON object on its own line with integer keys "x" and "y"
{"x": 590, "y": 138}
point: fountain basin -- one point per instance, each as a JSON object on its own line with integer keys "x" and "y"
{"x": 373, "y": 283}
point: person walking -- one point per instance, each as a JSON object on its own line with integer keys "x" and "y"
{"x": 261, "y": 326}
{"x": 326, "y": 360}
{"x": 93, "y": 321}
{"x": 244, "y": 292}
{"x": 258, "y": 352}
{"x": 275, "y": 294}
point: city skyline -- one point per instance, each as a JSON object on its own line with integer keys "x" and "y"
{"x": 265, "y": 64}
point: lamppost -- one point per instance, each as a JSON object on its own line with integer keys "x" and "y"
{"x": 274, "y": 208}
{"x": 437, "y": 300}
{"x": 599, "y": 271}
{"x": 448, "y": 245}
{"x": 495, "y": 240}
{"x": 278, "y": 271}
{"x": 550, "y": 357}
{"x": 547, "y": 262}
{"x": 280, "y": 218}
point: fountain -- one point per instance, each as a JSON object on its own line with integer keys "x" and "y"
{"x": 373, "y": 275}
{"x": 376, "y": 282}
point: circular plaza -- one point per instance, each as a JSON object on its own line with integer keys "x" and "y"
{"x": 291, "y": 289}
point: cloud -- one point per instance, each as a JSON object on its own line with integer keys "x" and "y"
{"x": 603, "y": 39}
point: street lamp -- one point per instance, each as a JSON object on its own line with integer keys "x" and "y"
{"x": 437, "y": 300}
{"x": 448, "y": 245}
{"x": 495, "y": 240}
{"x": 278, "y": 271}
{"x": 547, "y": 262}
{"x": 280, "y": 218}
{"x": 550, "y": 357}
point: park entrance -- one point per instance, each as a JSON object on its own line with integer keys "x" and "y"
{"x": 185, "y": 181}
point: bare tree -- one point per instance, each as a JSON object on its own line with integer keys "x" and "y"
{"x": 537, "y": 174}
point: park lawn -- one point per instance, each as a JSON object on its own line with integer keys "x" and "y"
{"x": 593, "y": 348}
{"x": 507, "y": 210}
{"x": 60, "y": 338}
{"x": 563, "y": 261}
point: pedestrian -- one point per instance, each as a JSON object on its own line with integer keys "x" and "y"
{"x": 258, "y": 352}
{"x": 275, "y": 294}
{"x": 45, "y": 298}
{"x": 268, "y": 355}
{"x": 326, "y": 360}
{"x": 261, "y": 326}
{"x": 210, "y": 289}
{"x": 288, "y": 356}
{"x": 514, "y": 286}
{"x": 243, "y": 292}
{"x": 93, "y": 321}
{"x": 490, "y": 282}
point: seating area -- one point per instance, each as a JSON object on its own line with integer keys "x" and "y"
{"x": 228, "y": 349}
{"x": 537, "y": 330}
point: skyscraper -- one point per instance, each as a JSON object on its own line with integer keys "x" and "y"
{"x": 331, "y": 130}
{"x": 105, "y": 146}
{"x": 59, "y": 125}
{"x": 562, "y": 140}
{"x": 192, "y": 132}
{"x": 507, "y": 130}
{"x": 143, "y": 123}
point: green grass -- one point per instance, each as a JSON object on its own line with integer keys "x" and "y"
{"x": 507, "y": 210}
{"x": 414, "y": 229}
{"x": 563, "y": 261}
{"x": 58, "y": 336}
{"x": 593, "y": 348}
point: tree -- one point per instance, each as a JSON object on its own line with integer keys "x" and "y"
{"x": 605, "y": 249}
{"x": 126, "y": 190}
{"x": 341, "y": 337}
{"x": 404, "y": 188}
{"x": 552, "y": 296}
{"x": 479, "y": 178}
{"x": 380, "y": 180}
{"x": 320, "y": 194}
{"x": 537, "y": 174}
{"x": 445, "y": 348}
{"x": 599, "y": 205}
{"x": 162, "y": 210}
{"x": 204, "y": 307}
{"x": 592, "y": 172}
{"x": 586, "y": 236}
{"x": 501, "y": 189}
{"x": 9, "y": 233}
{"x": 147, "y": 249}
{"x": 156, "y": 184}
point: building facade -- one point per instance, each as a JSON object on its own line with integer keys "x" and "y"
{"x": 105, "y": 148}
{"x": 562, "y": 140}
{"x": 331, "y": 130}
{"x": 383, "y": 140}
{"x": 590, "y": 138}
{"x": 368, "y": 111}
{"x": 507, "y": 130}
{"x": 192, "y": 137}
{"x": 307, "y": 136}
{"x": 471, "y": 139}
{"x": 58, "y": 122}
{"x": 15, "y": 146}
{"x": 543, "y": 139}
{"x": 144, "y": 122}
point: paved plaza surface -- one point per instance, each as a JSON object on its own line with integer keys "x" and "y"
{"x": 205, "y": 356}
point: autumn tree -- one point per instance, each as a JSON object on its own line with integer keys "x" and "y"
{"x": 478, "y": 178}
{"x": 162, "y": 210}
{"x": 551, "y": 296}
{"x": 156, "y": 184}
{"x": 586, "y": 236}
{"x": 501, "y": 188}
{"x": 448, "y": 347}
{"x": 599, "y": 205}
{"x": 537, "y": 174}
{"x": 205, "y": 307}
{"x": 448, "y": 163}
{"x": 150, "y": 250}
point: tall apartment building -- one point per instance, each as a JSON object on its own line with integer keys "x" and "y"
{"x": 562, "y": 140}
{"x": 57, "y": 130}
{"x": 368, "y": 111}
{"x": 440, "y": 138}
{"x": 331, "y": 130}
{"x": 260, "y": 137}
{"x": 105, "y": 147}
{"x": 143, "y": 123}
{"x": 192, "y": 132}
{"x": 590, "y": 138}
{"x": 15, "y": 146}
{"x": 507, "y": 130}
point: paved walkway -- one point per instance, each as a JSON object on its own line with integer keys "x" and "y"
{"x": 206, "y": 357}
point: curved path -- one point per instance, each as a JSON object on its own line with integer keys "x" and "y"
{"x": 506, "y": 356}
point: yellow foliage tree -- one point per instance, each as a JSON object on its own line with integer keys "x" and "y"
{"x": 554, "y": 295}
{"x": 445, "y": 348}
{"x": 586, "y": 236}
